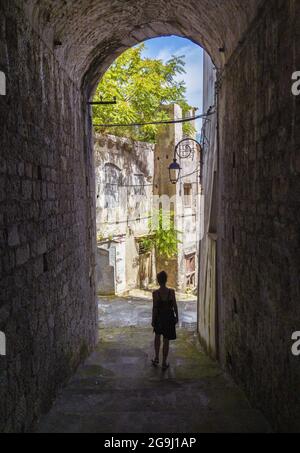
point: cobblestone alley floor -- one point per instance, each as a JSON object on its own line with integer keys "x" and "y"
{"x": 117, "y": 391}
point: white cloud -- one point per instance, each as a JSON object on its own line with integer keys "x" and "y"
{"x": 164, "y": 55}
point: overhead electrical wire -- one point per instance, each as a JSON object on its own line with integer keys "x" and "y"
{"x": 139, "y": 219}
{"x": 150, "y": 123}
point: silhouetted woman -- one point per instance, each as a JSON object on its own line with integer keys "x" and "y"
{"x": 164, "y": 318}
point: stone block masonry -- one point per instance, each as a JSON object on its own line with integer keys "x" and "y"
{"x": 260, "y": 192}
{"x": 47, "y": 293}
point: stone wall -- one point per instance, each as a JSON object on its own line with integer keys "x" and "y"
{"x": 124, "y": 201}
{"x": 259, "y": 230}
{"x": 207, "y": 288}
{"x": 134, "y": 162}
{"x": 47, "y": 302}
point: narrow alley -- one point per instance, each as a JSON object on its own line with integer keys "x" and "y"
{"x": 118, "y": 391}
{"x": 122, "y": 158}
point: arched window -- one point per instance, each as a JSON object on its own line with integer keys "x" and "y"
{"x": 112, "y": 185}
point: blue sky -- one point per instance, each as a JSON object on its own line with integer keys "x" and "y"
{"x": 164, "y": 48}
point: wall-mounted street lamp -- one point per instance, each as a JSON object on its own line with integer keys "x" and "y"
{"x": 185, "y": 149}
{"x": 174, "y": 171}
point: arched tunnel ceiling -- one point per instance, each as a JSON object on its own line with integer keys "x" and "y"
{"x": 89, "y": 34}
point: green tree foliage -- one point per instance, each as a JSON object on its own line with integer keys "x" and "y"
{"x": 164, "y": 240}
{"x": 141, "y": 86}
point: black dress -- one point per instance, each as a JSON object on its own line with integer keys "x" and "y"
{"x": 165, "y": 319}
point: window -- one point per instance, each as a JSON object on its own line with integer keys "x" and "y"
{"x": 112, "y": 184}
{"x": 188, "y": 195}
{"x": 144, "y": 248}
{"x": 190, "y": 266}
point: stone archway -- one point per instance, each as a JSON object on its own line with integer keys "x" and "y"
{"x": 87, "y": 36}
{"x": 52, "y": 54}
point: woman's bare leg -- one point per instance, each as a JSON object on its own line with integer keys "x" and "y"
{"x": 165, "y": 351}
{"x": 157, "y": 346}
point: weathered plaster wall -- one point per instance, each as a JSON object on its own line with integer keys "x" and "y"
{"x": 259, "y": 230}
{"x": 125, "y": 216}
{"x": 207, "y": 290}
{"x": 133, "y": 159}
{"x": 105, "y": 273}
{"x": 47, "y": 301}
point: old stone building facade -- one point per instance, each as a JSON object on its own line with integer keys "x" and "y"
{"x": 183, "y": 199}
{"x": 124, "y": 200}
{"x": 53, "y": 54}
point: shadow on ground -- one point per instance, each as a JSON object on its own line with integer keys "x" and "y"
{"x": 117, "y": 390}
